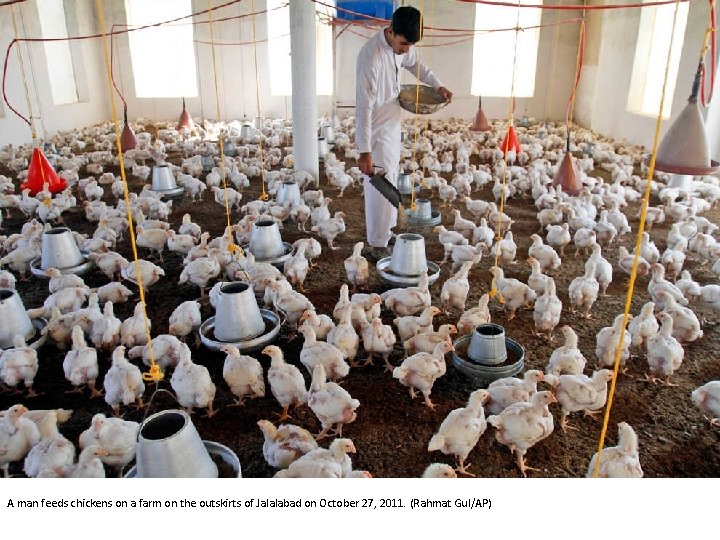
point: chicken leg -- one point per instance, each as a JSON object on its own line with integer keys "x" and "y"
{"x": 462, "y": 468}
{"x": 521, "y": 463}
{"x": 284, "y": 415}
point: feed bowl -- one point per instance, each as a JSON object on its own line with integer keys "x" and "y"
{"x": 483, "y": 375}
{"x": 237, "y": 315}
{"x": 422, "y": 100}
{"x": 162, "y": 179}
{"x": 408, "y": 256}
{"x": 265, "y": 240}
{"x": 59, "y": 249}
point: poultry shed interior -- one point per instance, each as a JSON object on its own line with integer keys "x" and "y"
{"x": 289, "y": 346}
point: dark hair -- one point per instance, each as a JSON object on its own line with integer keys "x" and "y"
{"x": 406, "y": 23}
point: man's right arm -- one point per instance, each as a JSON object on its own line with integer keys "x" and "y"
{"x": 365, "y": 93}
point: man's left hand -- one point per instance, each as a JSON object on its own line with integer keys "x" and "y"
{"x": 447, "y": 94}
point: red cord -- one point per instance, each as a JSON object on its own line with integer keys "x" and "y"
{"x": 572, "y": 8}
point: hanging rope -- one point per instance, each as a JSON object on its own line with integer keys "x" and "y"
{"x": 638, "y": 243}
{"x": 33, "y": 132}
{"x": 708, "y": 43}
{"x": 263, "y": 195}
{"x": 155, "y": 374}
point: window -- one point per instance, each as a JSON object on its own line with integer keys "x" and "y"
{"x": 492, "y": 72}
{"x": 57, "y": 53}
{"x": 278, "y": 21}
{"x": 651, "y": 56}
{"x": 162, "y": 57}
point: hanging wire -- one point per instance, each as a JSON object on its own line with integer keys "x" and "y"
{"x": 33, "y": 132}
{"x": 155, "y": 374}
{"x": 263, "y": 195}
{"x": 638, "y": 243}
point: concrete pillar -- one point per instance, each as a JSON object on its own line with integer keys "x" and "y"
{"x": 304, "y": 103}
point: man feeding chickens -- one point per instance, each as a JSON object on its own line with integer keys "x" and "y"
{"x": 378, "y": 114}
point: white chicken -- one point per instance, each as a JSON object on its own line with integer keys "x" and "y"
{"x": 504, "y": 392}
{"x": 603, "y": 269}
{"x": 357, "y": 268}
{"x": 321, "y": 463}
{"x": 513, "y": 293}
{"x": 286, "y": 381}
{"x": 644, "y": 326}
{"x": 664, "y": 352}
{"x": 548, "y": 309}
{"x": 105, "y": 332}
{"x": 332, "y": 404}
{"x": 625, "y": 262}
{"x": 19, "y": 363}
{"x": 658, "y": 284}
{"x": 116, "y": 436}
{"x": 686, "y": 326}
{"x": 461, "y": 430}
{"x": 321, "y": 324}
{"x": 410, "y": 300}
{"x": 544, "y": 254}
{"x": 456, "y": 288}
{"x": 421, "y": 370}
{"x": 567, "y": 359}
{"x": 411, "y": 325}
{"x": 192, "y": 384}
{"x": 473, "y": 317}
{"x": 285, "y": 444}
{"x": 583, "y": 291}
{"x": 607, "y": 342}
{"x": 558, "y": 236}
{"x": 185, "y": 320}
{"x": 329, "y": 229}
{"x": 296, "y": 268}
{"x": 123, "y": 382}
{"x": 707, "y": 398}
{"x": 243, "y": 374}
{"x": 507, "y": 248}
{"x": 537, "y": 280}
{"x": 580, "y": 393}
{"x": 378, "y": 338}
{"x": 89, "y": 464}
{"x": 621, "y": 461}
{"x": 18, "y": 434}
{"x": 53, "y": 455}
{"x": 80, "y": 364}
{"x": 439, "y": 470}
{"x": 200, "y": 271}
{"x": 344, "y": 336}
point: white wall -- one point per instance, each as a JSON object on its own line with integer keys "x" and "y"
{"x": 92, "y": 108}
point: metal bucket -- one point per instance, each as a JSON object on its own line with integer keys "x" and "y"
{"x": 265, "y": 240}
{"x": 408, "y": 256}
{"x": 487, "y": 344}
{"x": 59, "y": 249}
{"x": 322, "y": 147}
{"x": 237, "y": 316}
{"x": 14, "y": 318}
{"x": 162, "y": 178}
{"x": 288, "y": 190}
{"x": 168, "y": 446}
{"x": 423, "y": 209}
{"x": 328, "y": 133}
{"x": 246, "y": 132}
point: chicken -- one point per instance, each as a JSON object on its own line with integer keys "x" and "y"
{"x": 331, "y": 403}
{"x": 511, "y": 292}
{"x": 455, "y": 289}
{"x": 691, "y": 289}
{"x": 448, "y": 237}
{"x": 232, "y": 196}
{"x": 185, "y": 320}
{"x": 584, "y": 239}
{"x": 544, "y": 254}
{"x": 152, "y": 239}
{"x": 504, "y": 392}
{"x": 123, "y": 382}
{"x": 548, "y": 309}
{"x": 410, "y": 300}
{"x": 439, "y": 470}
{"x": 580, "y": 393}
{"x": 192, "y": 384}
{"x": 149, "y": 273}
{"x": 378, "y": 338}
{"x": 603, "y": 268}
{"x": 58, "y": 280}
{"x": 605, "y": 232}
{"x": 285, "y": 444}
{"x": 583, "y": 290}
{"x": 461, "y": 430}
{"x": 357, "y": 268}
{"x": 558, "y": 236}
{"x": 465, "y": 253}
{"x": 664, "y": 352}
{"x": 427, "y": 341}
{"x": 567, "y": 359}
{"x": 18, "y": 434}
{"x": 625, "y": 262}
{"x": 462, "y": 225}
{"x": 321, "y": 463}
{"x": 643, "y": 326}
{"x": 621, "y": 461}
{"x": 89, "y": 464}
{"x": 66, "y": 300}
{"x": 537, "y": 280}
{"x": 53, "y": 454}
{"x": 524, "y": 424}
{"x": 200, "y": 271}
{"x": 110, "y": 263}
{"x": 106, "y": 330}
{"x": 658, "y": 284}
{"x": 188, "y": 227}
{"x": 296, "y": 268}
{"x": 607, "y": 342}
{"x": 80, "y": 364}
{"x": 473, "y": 317}
{"x": 290, "y": 303}
{"x": 421, "y": 370}
{"x": 368, "y": 304}
{"x": 166, "y": 350}
{"x": 648, "y": 249}
{"x": 19, "y": 363}
{"x": 331, "y": 228}
{"x": 686, "y": 326}
{"x": 343, "y": 335}
{"x": 313, "y": 249}
{"x": 673, "y": 259}
{"x": 411, "y": 325}
{"x": 114, "y": 292}
{"x": 116, "y": 436}
{"x": 286, "y": 381}
{"x": 506, "y": 247}
{"x": 707, "y": 398}
{"x": 243, "y": 374}
{"x": 179, "y": 243}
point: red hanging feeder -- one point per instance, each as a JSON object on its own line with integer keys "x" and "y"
{"x": 41, "y": 172}
{"x": 185, "y": 120}
{"x": 127, "y": 138}
{"x": 510, "y": 142}
{"x": 481, "y": 122}
{"x": 568, "y": 175}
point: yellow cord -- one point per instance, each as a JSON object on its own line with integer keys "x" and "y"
{"x": 155, "y": 374}
{"x": 263, "y": 195}
{"x": 33, "y": 132}
{"x": 638, "y": 243}
{"x": 232, "y": 248}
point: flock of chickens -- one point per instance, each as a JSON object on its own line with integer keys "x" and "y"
{"x": 82, "y": 320}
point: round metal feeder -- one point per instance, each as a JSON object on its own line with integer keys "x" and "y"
{"x": 396, "y": 280}
{"x": 16, "y": 320}
{"x": 79, "y": 270}
{"x": 276, "y": 261}
{"x": 423, "y": 215}
{"x": 237, "y": 314}
{"x": 217, "y": 451}
{"x": 171, "y": 193}
{"x": 483, "y": 375}
{"x": 273, "y": 322}
{"x": 487, "y": 345}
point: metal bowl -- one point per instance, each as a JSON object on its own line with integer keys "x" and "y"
{"x": 171, "y": 193}
{"x": 429, "y": 100}
{"x": 483, "y": 375}
{"x": 277, "y": 261}
{"x": 272, "y": 321}
{"x": 79, "y": 270}
{"x": 216, "y": 450}
{"x": 434, "y": 219}
{"x": 395, "y": 280}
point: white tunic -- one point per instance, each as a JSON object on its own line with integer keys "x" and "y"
{"x": 377, "y": 123}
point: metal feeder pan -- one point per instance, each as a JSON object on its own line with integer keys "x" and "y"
{"x": 272, "y": 321}
{"x": 277, "y": 261}
{"x": 216, "y": 450}
{"x": 79, "y": 270}
{"x": 435, "y": 219}
{"x": 395, "y": 280}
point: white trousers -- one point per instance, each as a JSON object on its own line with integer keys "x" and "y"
{"x": 380, "y": 215}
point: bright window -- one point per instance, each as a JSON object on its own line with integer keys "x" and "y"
{"x": 651, "y": 56}
{"x": 57, "y": 53}
{"x": 278, "y": 21}
{"x": 163, "y": 57}
{"x": 492, "y": 73}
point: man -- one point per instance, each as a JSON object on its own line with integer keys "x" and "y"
{"x": 378, "y": 114}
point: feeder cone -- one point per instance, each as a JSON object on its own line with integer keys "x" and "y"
{"x": 510, "y": 142}
{"x": 185, "y": 120}
{"x": 127, "y": 138}
{"x": 568, "y": 175}
{"x": 481, "y": 122}
{"x": 41, "y": 172}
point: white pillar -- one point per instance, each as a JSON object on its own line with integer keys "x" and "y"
{"x": 304, "y": 103}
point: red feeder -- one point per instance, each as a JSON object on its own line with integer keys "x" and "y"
{"x": 568, "y": 175}
{"x": 185, "y": 120}
{"x": 41, "y": 172}
{"x": 127, "y": 138}
{"x": 481, "y": 122}
{"x": 510, "y": 142}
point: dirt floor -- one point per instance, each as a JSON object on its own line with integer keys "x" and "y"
{"x": 392, "y": 431}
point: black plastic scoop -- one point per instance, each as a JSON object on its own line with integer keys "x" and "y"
{"x": 386, "y": 189}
